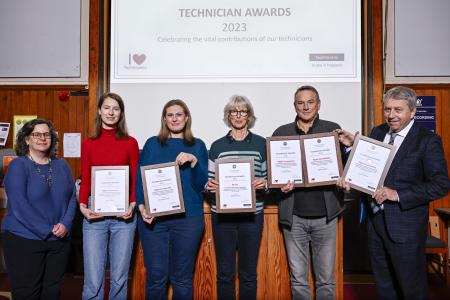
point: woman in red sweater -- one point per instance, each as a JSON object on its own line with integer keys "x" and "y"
{"x": 108, "y": 236}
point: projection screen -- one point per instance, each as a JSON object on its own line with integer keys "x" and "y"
{"x": 203, "y": 52}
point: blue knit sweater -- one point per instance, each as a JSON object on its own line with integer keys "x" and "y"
{"x": 192, "y": 179}
{"x": 33, "y": 207}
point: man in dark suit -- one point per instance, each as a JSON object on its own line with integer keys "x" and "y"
{"x": 398, "y": 211}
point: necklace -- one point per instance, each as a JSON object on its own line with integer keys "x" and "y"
{"x": 47, "y": 177}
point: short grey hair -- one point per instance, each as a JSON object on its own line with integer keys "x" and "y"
{"x": 236, "y": 101}
{"x": 307, "y": 88}
{"x": 401, "y": 93}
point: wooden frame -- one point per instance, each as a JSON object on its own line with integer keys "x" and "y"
{"x": 125, "y": 188}
{"x": 306, "y": 176}
{"x": 4, "y": 131}
{"x": 385, "y": 169}
{"x": 219, "y": 162}
{"x": 269, "y": 160}
{"x": 179, "y": 189}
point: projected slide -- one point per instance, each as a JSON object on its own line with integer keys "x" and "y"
{"x": 234, "y": 41}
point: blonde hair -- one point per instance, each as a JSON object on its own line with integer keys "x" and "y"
{"x": 234, "y": 102}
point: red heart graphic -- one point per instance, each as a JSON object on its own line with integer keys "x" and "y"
{"x": 139, "y": 58}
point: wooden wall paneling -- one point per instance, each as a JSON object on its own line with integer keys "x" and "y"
{"x": 273, "y": 267}
{"x": 445, "y": 132}
{"x": 78, "y": 123}
{"x": 67, "y": 116}
{"x": 62, "y": 112}
{"x": 339, "y": 261}
{"x": 94, "y": 58}
{"x": 6, "y": 106}
{"x": 72, "y": 127}
{"x": 443, "y": 129}
{"x": 366, "y": 82}
{"x": 137, "y": 283}
{"x": 205, "y": 267}
{"x": 376, "y": 74}
{"x": 45, "y": 107}
{"x": 264, "y": 267}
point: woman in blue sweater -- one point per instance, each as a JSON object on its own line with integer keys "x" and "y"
{"x": 170, "y": 243}
{"x": 41, "y": 205}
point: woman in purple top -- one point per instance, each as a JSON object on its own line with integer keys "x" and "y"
{"x": 41, "y": 205}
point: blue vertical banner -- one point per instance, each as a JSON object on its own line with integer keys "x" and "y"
{"x": 426, "y": 112}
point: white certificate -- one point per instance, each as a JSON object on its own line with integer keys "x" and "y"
{"x": 4, "y": 129}
{"x": 284, "y": 161}
{"x": 72, "y": 144}
{"x": 322, "y": 158}
{"x": 162, "y": 189}
{"x": 236, "y": 192}
{"x": 368, "y": 164}
{"x": 110, "y": 190}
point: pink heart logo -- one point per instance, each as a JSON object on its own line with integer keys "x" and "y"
{"x": 139, "y": 58}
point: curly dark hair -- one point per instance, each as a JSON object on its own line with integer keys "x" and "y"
{"x": 24, "y": 133}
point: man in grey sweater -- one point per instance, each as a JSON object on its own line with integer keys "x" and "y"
{"x": 309, "y": 215}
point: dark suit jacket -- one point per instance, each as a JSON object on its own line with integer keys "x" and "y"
{"x": 419, "y": 175}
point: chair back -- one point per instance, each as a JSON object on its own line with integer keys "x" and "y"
{"x": 434, "y": 226}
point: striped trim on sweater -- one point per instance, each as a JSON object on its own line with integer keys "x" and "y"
{"x": 253, "y": 146}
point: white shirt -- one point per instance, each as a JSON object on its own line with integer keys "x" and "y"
{"x": 398, "y": 141}
{"x": 400, "y": 136}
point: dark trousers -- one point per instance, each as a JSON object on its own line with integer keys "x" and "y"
{"x": 170, "y": 246}
{"x": 35, "y": 267}
{"x": 399, "y": 269}
{"x": 241, "y": 232}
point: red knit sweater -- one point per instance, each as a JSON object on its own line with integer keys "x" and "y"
{"x": 108, "y": 150}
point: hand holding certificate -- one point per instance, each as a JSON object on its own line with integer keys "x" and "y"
{"x": 162, "y": 189}
{"x": 368, "y": 164}
{"x": 307, "y": 160}
{"x": 110, "y": 190}
{"x": 236, "y": 192}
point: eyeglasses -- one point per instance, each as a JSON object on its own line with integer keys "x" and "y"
{"x": 242, "y": 113}
{"x": 41, "y": 135}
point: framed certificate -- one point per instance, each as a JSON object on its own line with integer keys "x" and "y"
{"x": 110, "y": 190}
{"x": 368, "y": 164}
{"x": 284, "y": 161}
{"x": 4, "y": 130}
{"x": 236, "y": 192}
{"x": 162, "y": 189}
{"x": 322, "y": 164}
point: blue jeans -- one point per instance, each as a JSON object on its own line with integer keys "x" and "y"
{"x": 242, "y": 232}
{"x": 322, "y": 236}
{"x": 113, "y": 236}
{"x": 170, "y": 246}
